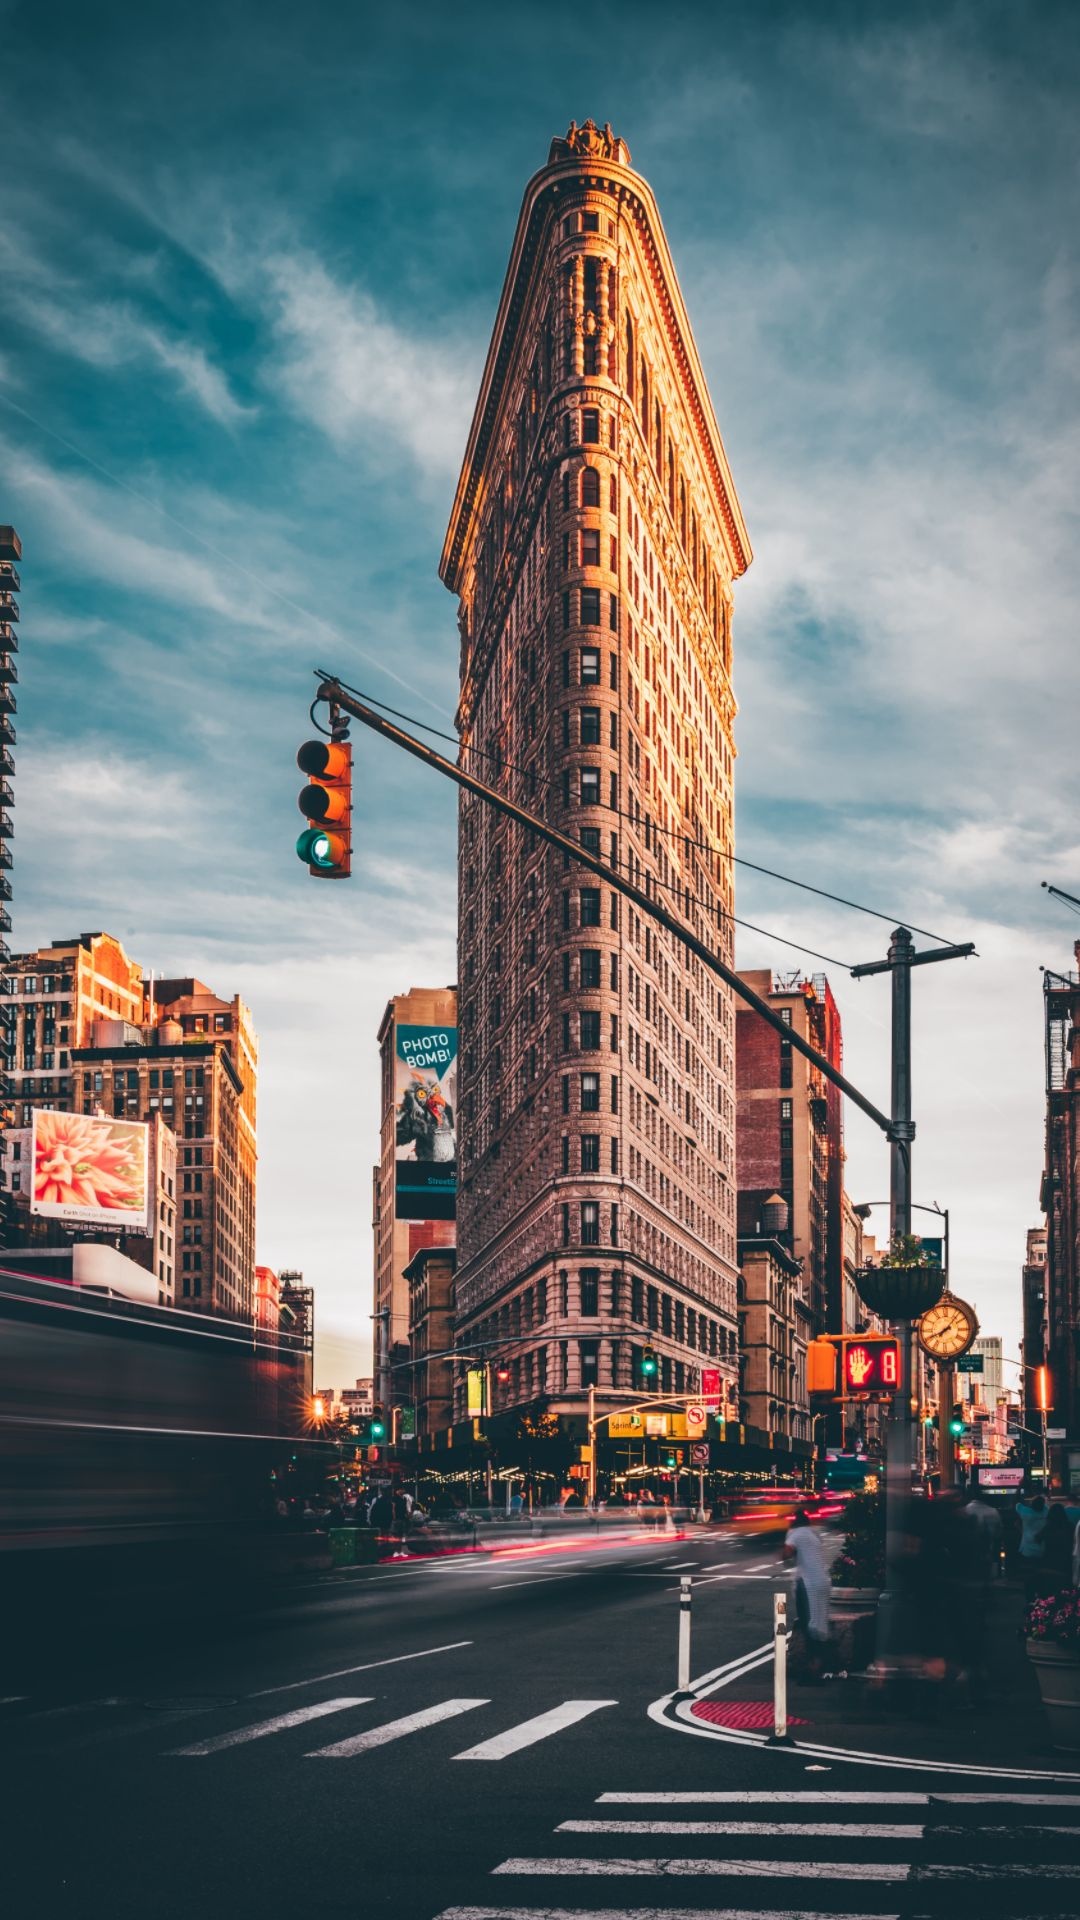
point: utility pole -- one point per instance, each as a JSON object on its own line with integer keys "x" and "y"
{"x": 900, "y": 1455}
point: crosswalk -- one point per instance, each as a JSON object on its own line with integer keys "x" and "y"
{"x": 365, "y": 1739}
{"x": 918, "y": 1853}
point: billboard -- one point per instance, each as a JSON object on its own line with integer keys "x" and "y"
{"x": 90, "y": 1171}
{"x": 425, "y": 1099}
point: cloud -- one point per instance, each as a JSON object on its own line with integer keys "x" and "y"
{"x": 358, "y": 375}
{"x": 109, "y": 336}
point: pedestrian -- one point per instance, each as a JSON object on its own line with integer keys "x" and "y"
{"x": 1032, "y": 1516}
{"x": 812, "y": 1588}
{"x": 517, "y": 1502}
{"x": 399, "y": 1524}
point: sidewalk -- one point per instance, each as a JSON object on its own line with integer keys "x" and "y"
{"x": 996, "y": 1724}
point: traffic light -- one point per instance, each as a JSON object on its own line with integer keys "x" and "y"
{"x": 956, "y": 1424}
{"x": 326, "y": 803}
{"x": 502, "y": 1375}
{"x": 821, "y": 1366}
{"x": 650, "y": 1365}
{"x": 378, "y": 1425}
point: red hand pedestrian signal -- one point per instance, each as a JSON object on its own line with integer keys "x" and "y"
{"x": 859, "y": 1366}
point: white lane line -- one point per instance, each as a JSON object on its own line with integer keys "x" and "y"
{"x": 772, "y": 1829}
{"x": 684, "y": 1866}
{"x": 527, "y": 1732}
{"x": 1028, "y": 1828}
{"x": 9, "y": 1699}
{"x": 394, "y": 1730}
{"x": 1004, "y": 1799}
{"x": 678, "y": 1566}
{"x": 644, "y": 1913}
{"x": 760, "y": 1797}
{"x": 536, "y": 1580}
{"x": 368, "y": 1666}
{"x": 279, "y": 1724}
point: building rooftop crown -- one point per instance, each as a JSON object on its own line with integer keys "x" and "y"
{"x": 589, "y": 142}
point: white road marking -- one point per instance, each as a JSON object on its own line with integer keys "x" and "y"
{"x": 368, "y": 1666}
{"x": 539, "y": 1728}
{"x": 771, "y": 1829}
{"x": 536, "y": 1580}
{"x": 278, "y": 1724}
{"x": 687, "y": 1867}
{"x": 394, "y": 1730}
{"x": 678, "y": 1566}
{"x": 643, "y": 1913}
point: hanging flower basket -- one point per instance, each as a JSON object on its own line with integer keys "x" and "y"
{"x": 900, "y": 1293}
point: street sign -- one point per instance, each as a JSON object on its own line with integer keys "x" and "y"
{"x": 969, "y": 1363}
{"x": 710, "y": 1386}
{"x": 1057, "y": 1433}
{"x": 696, "y": 1418}
{"x": 699, "y": 1454}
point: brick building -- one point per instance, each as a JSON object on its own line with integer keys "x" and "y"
{"x": 1060, "y": 1200}
{"x": 1033, "y": 1343}
{"x": 790, "y": 1132}
{"x": 593, "y": 544}
{"x": 401, "y": 1203}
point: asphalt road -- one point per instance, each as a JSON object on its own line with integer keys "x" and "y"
{"x": 470, "y": 1738}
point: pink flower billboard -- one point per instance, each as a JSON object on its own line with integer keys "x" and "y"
{"x": 90, "y": 1171}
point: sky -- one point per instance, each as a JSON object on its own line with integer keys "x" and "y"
{"x": 250, "y": 258}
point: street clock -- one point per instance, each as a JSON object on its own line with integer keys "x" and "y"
{"x": 948, "y": 1329}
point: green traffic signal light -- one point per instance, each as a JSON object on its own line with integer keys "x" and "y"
{"x": 956, "y": 1428}
{"x": 378, "y": 1430}
{"x": 315, "y": 846}
{"x": 649, "y": 1364}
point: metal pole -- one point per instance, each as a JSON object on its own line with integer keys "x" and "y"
{"x": 487, "y": 1436}
{"x": 780, "y": 1736}
{"x": 592, "y": 1443}
{"x": 946, "y": 1442}
{"x": 332, "y": 691}
{"x": 683, "y": 1679}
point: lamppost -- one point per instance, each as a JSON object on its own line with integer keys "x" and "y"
{"x": 864, "y": 1209}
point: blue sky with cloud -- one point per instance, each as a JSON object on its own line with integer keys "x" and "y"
{"x": 249, "y": 263}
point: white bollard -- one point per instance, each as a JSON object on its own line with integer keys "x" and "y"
{"x": 683, "y": 1682}
{"x": 780, "y": 1735}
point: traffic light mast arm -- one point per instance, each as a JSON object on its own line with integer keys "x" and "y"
{"x": 331, "y": 690}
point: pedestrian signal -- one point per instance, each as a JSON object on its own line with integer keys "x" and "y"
{"x": 326, "y": 803}
{"x": 871, "y": 1364}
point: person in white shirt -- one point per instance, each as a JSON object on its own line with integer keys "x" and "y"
{"x": 812, "y": 1586}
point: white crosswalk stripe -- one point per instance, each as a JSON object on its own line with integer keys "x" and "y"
{"x": 1021, "y": 1848}
{"x": 279, "y": 1724}
{"x": 528, "y": 1732}
{"x": 394, "y": 1730}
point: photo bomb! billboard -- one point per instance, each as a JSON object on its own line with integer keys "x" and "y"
{"x": 425, "y": 1101}
{"x": 90, "y": 1171}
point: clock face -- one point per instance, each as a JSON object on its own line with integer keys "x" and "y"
{"x": 948, "y": 1329}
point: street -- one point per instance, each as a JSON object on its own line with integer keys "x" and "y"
{"x": 178, "y": 1784}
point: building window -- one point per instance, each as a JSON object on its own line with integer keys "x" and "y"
{"x": 590, "y": 840}
{"x": 785, "y": 1109}
{"x": 590, "y": 1153}
{"x": 614, "y": 1224}
{"x": 590, "y": 727}
{"x": 590, "y": 546}
{"x": 590, "y": 487}
{"x": 590, "y": 666}
{"x": 566, "y": 1224}
{"x": 590, "y": 1223}
{"x": 590, "y": 1093}
{"x": 590, "y": 906}
{"x": 590, "y": 1292}
{"x": 589, "y": 958}
{"x": 590, "y": 786}
{"x": 590, "y": 606}
{"x": 590, "y": 426}
{"x": 566, "y": 1153}
{"x": 589, "y": 1029}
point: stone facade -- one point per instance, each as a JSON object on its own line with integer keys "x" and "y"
{"x": 774, "y": 1328}
{"x": 593, "y": 544}
{"x": 1060, "y": 1198}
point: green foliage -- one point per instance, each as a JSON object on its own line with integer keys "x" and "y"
{"x": 906, "y": 1250}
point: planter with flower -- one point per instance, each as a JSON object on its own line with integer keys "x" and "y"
{"x": 905, "y": 1283}
{"x": 1052, "y": 1630}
